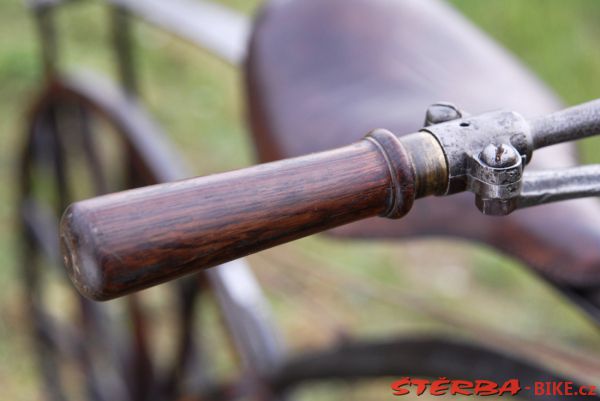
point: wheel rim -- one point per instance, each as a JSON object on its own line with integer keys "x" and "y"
{"x": 114, "y": 337}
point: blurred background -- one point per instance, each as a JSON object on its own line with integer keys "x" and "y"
{"x": 198, "y": 101}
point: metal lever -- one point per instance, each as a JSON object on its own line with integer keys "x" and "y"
{"x": 547, "y": 186}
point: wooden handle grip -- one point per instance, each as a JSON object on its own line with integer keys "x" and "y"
{"x": 128, "y": 241}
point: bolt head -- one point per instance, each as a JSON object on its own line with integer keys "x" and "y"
{"x": 495, "y": 207}
{"x": 499, "y": 156}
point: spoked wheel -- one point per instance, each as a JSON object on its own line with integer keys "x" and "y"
{"x": 84, "y": 140}
{"x": 73, "y": 152}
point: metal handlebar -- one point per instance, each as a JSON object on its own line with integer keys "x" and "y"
{"x": 124, "y": 242}
{"x": 574, "y": 123}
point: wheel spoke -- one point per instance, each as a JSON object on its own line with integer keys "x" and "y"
{"x": 41, "y": 224}
{"x": 90, "y": 150}
{"x": 85, "y": 131}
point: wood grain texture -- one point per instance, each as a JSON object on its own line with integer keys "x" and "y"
{"x": 131, "y": 240}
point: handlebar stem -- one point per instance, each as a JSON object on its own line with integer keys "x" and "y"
{"x": 128, "y": 241}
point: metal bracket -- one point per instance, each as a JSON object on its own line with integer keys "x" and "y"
{"x": 486, "y": 155}
{"x": 463, "y": 139}
{"x": 494, "y": 176}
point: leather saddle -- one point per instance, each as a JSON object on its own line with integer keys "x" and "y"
{"x": 321, "y": 74}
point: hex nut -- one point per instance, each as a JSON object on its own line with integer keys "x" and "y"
{"x": 495, "y": 207}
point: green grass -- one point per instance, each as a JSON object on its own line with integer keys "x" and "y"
{"x": 558, "y": 40}
{"x": 199, "y": 100}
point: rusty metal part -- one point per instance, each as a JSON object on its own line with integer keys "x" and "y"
{"x": 486, "y": 155}
{"x": 463, "y": 140}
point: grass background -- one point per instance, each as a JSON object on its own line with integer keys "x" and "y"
{"x": 198, "y": 100}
